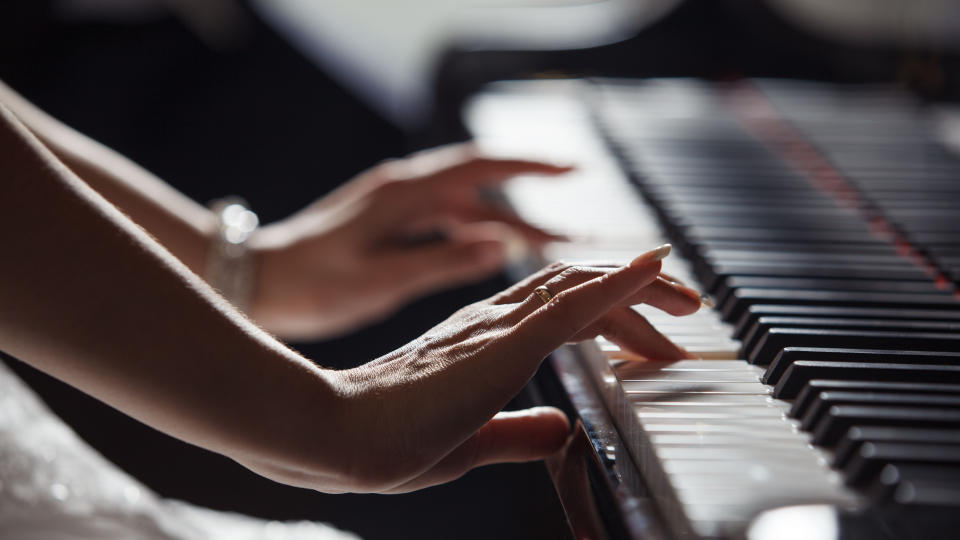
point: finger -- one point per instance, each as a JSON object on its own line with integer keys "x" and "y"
{"x": 676, "y": 300}
{"x": 476, "y": 170}
{"x": 673, "y": 298}
{"x": 509, "y": 437}
{"x": 574, "y": 309}
{"x": 522, "y": 290}
{"x": 633, "y": 333}
{"x": 665, "y": 295}
{"x": 572, "y": 275}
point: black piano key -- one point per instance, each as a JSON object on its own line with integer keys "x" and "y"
{"x": 792, "y": 310}
{"x": 920, "y": 484}
{"x": 827, "y": 225}
{"x": 726, "y": 287}
{"x": 764, "y": 324}
{"x": 730, "y": 205}
{"x": 777, "y": 339}
{"x": 741, "y": 300}
{"x": 935, "y": 238}
{"x": 813, "y": 388}
{"x": 809, "y": 248}
{"x": 802, "y": 371}
{"x": 840, "y": 418}
{"x": 706, "y": 235}
{"x": 866, "y": 465}
{"x": 718, "y": 273}
{"x": 857, "y": 435}
{"x": 763, "y": 259}
{"x": 776, "y": 370}
{"x": 823, "y": 401}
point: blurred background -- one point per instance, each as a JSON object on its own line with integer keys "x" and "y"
{"x": 280, "y": 101}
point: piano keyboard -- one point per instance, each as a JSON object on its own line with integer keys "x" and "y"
{"x": 828, "y": 374}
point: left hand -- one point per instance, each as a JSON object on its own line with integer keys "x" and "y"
{"x": 348, "y": 259}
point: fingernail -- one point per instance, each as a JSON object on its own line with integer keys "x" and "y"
{"x": 653, "y": 255}
{"x": 707, "y": 301}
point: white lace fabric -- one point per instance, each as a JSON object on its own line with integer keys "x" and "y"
{"x": 53, "y": 486}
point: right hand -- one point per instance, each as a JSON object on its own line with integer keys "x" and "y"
{"x": 428, "y": 412}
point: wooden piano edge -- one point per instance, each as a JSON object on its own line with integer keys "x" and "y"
{"x": 601, "y": 490}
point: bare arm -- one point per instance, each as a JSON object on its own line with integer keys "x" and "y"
{"x": 88, "y": 297}
{"x": 176, "y": 221}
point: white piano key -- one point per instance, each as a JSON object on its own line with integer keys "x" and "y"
{"x": 668, "y": 387}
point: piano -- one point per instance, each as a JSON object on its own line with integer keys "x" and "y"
{"x": 824, "y": 221}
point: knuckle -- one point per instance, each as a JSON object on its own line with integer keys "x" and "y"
{"x": 557, "y": 266}
{"x": 470, "y": 153}
{"x": 391, "y": 170}
{"x": 388, "y": 187}
{"x": 575, "y": 272}
{"x": 562, "y": 314}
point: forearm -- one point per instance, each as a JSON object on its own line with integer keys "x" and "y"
{"x": 176, "y": 221}
{"x": 89, "y": 298}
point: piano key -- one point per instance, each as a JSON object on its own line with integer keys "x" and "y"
{"x": 920, "y": 484}
{"x": 824, "y": 400}
{"x": 741, "y": 299}
{"x": 807, "y": 248}
{"x": 802, "y": 371}
{"x": 777, "y": 339}
{"x": 813, "y": 388}
{"x": 866, "y": 465}
{"x": 695, "y": 235}
{"x": 857, "y": 435}
{"x": 842, "y": 417}
{"x": 789, "y": 355}
{"x": 724, "y": 288}
{"x": 793, "y": 310}
{"x": 763, "y": 325}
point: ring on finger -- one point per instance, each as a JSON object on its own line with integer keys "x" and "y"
{"x": 543, "y": 294}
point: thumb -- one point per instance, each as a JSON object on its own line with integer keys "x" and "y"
{"x": 508, "y": 437}
{"x": 525, "y": 435}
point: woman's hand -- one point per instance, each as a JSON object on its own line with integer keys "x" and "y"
{"x": 428, "y": 412}
{"x": 359, "y": 254}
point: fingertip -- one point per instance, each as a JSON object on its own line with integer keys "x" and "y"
{"x": 557, "y": 168}
{"x": 556, "y": 427}
{"x": 656, "y": 254}
{"x": 533, "y": 433}
{"x": 694, "y": 299}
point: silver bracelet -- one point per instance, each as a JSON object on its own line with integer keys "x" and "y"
{"x": 230, "y": 265}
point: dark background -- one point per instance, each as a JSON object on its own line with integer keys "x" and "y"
{"x": 258, "y": 120}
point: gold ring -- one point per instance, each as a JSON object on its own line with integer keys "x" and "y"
{"x": 543, "y": 294}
